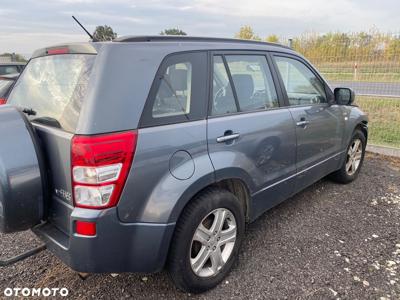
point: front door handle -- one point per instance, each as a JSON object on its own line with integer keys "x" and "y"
{"x": 303, "y": 122}
{"x": 228, "y": 137}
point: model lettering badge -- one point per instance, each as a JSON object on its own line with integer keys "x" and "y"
{"x": 63, "y": 194}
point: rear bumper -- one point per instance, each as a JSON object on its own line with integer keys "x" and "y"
{"x": 117, "y": 247}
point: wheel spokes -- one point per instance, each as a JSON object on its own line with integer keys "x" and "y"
{"x": 348, "y": 164}
{"x": 213, "y": 242}
{"x": 202, "y": 234}
{"x": 219, "y": 219}
{"x": 228, "y": 235}
{"x": 216, "y": 260}
{"x": 201, "y": 258}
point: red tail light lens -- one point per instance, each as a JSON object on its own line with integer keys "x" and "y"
{"x": 3, "y": 101}
{"x": 85, "y": 228}
{"x": 100, "y": 166}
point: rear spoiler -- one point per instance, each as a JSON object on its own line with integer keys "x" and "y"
{"x": 78, "y": 48}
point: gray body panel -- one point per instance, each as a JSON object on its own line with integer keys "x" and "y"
{"x": 151, "y": 185}
{"x": 174, "y": 162}
{"x": 262, "y": 156}
{"x": 321, "y": 139}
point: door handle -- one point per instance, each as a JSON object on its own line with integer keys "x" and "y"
{"x": 227, "y": 138}
{"x": 303, "y": 122}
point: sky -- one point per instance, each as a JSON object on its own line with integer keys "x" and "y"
{"x": 27, "y": 25}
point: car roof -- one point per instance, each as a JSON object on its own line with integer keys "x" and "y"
{"x": 185, "y": 38}
{"x": 170, "y": 43}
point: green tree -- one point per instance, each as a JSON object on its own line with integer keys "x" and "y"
{"x": 393, "y": 49}
{"x": 104, "y": 33}
{"x": 247, "y": 33}
{"x": 173, "y": 31}
{"x": 273, "y": 38}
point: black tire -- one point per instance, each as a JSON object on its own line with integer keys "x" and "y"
{"x": 179, "y": 266}
{"x": 341, "y": 175}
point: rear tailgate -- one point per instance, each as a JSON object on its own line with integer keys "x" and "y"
{"x": 51, "y": 91}
{"x": 56, "y": 145}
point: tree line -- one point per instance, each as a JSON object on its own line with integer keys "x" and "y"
{"x": 337, "y": 46}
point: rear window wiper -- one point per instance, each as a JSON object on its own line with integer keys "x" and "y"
{"x": 47, "y": 121}
{"x": 28, "y": 111}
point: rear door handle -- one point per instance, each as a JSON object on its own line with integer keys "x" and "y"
{"x": 227, "y": 138}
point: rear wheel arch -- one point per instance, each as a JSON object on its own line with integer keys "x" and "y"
{"x": 236, "y": 186}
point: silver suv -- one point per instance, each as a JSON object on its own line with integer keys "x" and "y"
{"x": 146, "y": 152}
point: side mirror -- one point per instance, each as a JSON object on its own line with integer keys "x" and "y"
{"x": 344, "y": 96}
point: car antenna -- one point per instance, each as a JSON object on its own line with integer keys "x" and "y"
{"x": 88, "y": 33}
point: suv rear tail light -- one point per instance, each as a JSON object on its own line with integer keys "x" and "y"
{"x": 3, "y": 101}
{"x": 100, "y": 166}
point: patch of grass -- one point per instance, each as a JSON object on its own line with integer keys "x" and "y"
{"x": 384, "y": 119}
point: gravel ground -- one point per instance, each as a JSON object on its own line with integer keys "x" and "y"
{"x": 330, "y": 241}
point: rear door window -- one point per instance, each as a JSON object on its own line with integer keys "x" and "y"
{"x": 223, "y": 98}
{"x": 253, "y": 82}
{"x": 54, "y": 88}
{"x": 179, "y": 91}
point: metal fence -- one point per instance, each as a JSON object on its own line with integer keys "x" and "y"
{"x": 369, "y": 63}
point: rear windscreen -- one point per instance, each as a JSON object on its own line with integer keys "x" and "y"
{"x": 53, "y": 89}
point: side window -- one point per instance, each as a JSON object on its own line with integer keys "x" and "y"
{"x": 253, "y": 82}
{"x": 223, "y": 99}
{"x": 174, "y": 94}
{"x": 302, "y": 86}
{"x": 5, "y": 70}
{"x": 179, "y": 91}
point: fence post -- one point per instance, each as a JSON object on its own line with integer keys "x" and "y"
{"x": 355, "y": 71}
{"x": 290, "y": 43}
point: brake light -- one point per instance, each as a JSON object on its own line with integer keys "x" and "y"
{"x": 100, "y": 165}
{"x": 54, "y": 51}
{"x": 3, "y": 101}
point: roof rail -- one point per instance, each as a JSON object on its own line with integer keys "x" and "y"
{"x": 183, "y": 38}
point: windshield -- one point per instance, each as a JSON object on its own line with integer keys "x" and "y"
{"x": 53, "y": 87}
{"x": 4, "y": 87}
